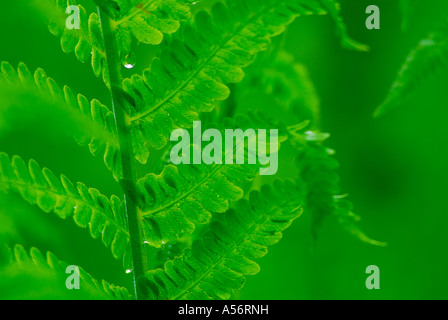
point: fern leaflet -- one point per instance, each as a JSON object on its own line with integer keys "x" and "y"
{"x": 318, "y": 173}
{"x": 102, "y": 141}
{"x": 148, "y": 20}
{"x": 172, "y": 203}
{"x": 104, "y": 217}
{"x": 19, "y": 262}
{"x": 217, "y": 264}
{"x": 191, "y": 70}
{"x": 333, "y": 8}
{"x": 426, "y": 60}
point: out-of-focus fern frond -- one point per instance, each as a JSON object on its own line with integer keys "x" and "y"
{"x": 426, "y": 60}
{"x": 316, "y": 165}
{"x": 104, "y": 217}
{"x": 318, "y": 171}
{"x": 276, "y": 75}
{"x": 333, "y": 8}
{"x": 92, "y": 122}
{"x": 40, "y": 277}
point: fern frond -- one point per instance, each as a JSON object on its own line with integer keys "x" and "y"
{"x": 276, "y": 79}
{"x": 318, "y": 173}
{"x": 148, "y": 20}
{"x": 192, "y": 69}
{"x": 185, "y": 195}
{"x": 277, "y": 75}
{"x": 86, "y": 42}
{"x": 49, "y": 270}
{"x": 333, "y": 8}
{"x": 428, "y": 59}
{"x": 349, "y": 220}
{"x": 217, "y": 264}
{"x": 173, "y": 203}
{"x": 94, "y": 111}
{"x": 104, "y": 217}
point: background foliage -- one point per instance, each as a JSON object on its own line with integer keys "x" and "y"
{"x": 394, "y": 167}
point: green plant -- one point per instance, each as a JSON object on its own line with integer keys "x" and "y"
{"x": 212, "y": 216}
{"x": 425, "y": 61}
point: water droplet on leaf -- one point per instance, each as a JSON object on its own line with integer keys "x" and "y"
{"x": 129, "y": 61}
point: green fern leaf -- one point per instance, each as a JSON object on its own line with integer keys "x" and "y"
{"x": 104, "y": 217}
{"x": 318, "y": 173}
{"x": 102, "y": 137}
{"x": 191, "y": 70}
{"x": 426, "y": 60}
{"x": 217, "y": 264}
{"x": 86, "y": 42}
{"x": 276, "y": 75}
{"x": 144, "y": 32}
{"x": 49, "y": 270}
{"x": 185, "y": 195}
{"x": 275, "y": 79}
{"x": 333, "y": 8}
{"x": 349, "y": 220}
{"x": 173, "y": 203}
{"x": 148, "y": 20}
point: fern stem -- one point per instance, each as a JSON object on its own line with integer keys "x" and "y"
{"x": 127, "y": 156}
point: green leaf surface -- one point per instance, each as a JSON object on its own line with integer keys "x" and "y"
{"x": 172, "y": 203}
{"x": 191, "y": 70}
{"x": 104, "y": 217}
{"x": 428, "y": 59}
{"x": 217, "y": 264}
{"x": 44, "y": 277}
{"x": 99, "y": 131}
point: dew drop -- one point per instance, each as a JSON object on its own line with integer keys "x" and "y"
{"x": 316, "y": 136}
{"x": 129, "y": 61}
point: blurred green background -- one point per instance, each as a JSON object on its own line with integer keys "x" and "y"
{"x": 393, "y": 168}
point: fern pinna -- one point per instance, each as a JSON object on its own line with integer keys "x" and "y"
{"x": 212, "y": 215}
